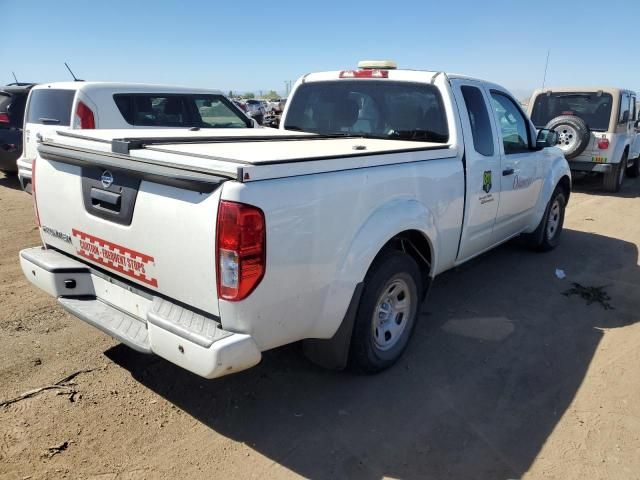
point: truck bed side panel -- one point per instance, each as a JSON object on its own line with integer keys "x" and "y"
{"x": 312, "y": 221}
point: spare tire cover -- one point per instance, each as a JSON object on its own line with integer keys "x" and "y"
{"x": 573, "y": 134}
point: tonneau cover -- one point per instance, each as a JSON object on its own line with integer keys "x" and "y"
{"x": 242, "y": 154}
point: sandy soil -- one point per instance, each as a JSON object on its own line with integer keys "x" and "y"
{"x": 504, "y": 378}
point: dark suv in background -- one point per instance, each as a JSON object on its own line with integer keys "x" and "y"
{"x": 13, "y": 98}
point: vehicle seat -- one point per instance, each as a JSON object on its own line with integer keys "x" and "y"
{"x": 406, "y": 116}
{"x": 346, "y": 114}
{"x": 144, "y": 112}
{"x": 173, "y": 112}
{"x": 433, "y": 122}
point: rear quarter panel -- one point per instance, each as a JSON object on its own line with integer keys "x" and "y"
{"x": 316, "y": 254}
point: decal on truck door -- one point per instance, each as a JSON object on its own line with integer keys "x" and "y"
{"x": 116, "y": 257}
{"x": 486, "y": 181}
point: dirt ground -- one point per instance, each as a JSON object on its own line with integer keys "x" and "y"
{"x": 505, "y": 378}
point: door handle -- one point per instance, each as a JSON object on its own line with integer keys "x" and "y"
{"x": 105, "y": 200}
{"x": 507, "y": 171}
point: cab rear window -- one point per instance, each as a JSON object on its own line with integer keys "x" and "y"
{"x": 370, "y": 108}
{"x": 171, "y": 110}
{"x": 50, "y": 106}
{"x": 592, "y": 107}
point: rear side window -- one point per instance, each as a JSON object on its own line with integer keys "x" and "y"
{"x": 479, "y": 119}
{"x": 203, "y": 111}
{"x": 625, "y": 106}
{"x": 50, "y": 107}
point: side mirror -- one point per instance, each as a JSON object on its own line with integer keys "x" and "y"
{"x": 546, "y": 138}
{"x": 637, "y": 124}
{"x": 255, "y": 123}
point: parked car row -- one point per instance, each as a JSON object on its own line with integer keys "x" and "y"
{"x": 261, "y": 110}
{"x": 99, "y": 105}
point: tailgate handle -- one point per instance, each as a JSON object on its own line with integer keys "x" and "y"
{"x": 106, "y": 200}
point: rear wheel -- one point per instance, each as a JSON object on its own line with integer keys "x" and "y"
{"x": 387, "y": 313}
{"x": 613, "y": 179}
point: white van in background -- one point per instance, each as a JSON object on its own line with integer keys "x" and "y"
{"x": 92, "y": 105}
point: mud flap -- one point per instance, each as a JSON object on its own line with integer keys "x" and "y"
{"x": 333, "y": 353}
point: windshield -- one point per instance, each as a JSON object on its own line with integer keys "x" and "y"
{"x": 369, "y": 108}
{"x": 593, "y": 108}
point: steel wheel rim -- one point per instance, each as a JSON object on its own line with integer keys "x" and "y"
{"x": 553, "y": 222}
{"x": 567, "y": 137}
{"x": 391, "y": 314}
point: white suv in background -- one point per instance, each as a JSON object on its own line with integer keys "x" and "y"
{"x": 90, "y": 105}
{"x": 597, "y": 129}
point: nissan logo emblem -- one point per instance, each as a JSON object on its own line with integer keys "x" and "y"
{"x": 106, "y": 179}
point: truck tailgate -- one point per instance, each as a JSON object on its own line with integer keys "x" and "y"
{"x": 158, "y": 235}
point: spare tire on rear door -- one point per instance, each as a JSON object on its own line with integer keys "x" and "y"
{"x": 573, "y": 134}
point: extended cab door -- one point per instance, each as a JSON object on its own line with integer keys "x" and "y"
{"x": 520, "y": 176}
{"x": 482, "y": 158}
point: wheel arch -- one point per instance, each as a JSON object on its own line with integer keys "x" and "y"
{"x": 412, "y": 230}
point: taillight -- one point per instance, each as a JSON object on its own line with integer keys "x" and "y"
{"x": 4, "y": 118}
{"x": 369, "y": 73}
{"x": 33, "y": 191}
{"x": 603, "y": 143}
{"x": 240, "y": 249}
{"x": 84, "y": 117}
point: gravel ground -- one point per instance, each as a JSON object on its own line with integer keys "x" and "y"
{"x": 505, "y": 377}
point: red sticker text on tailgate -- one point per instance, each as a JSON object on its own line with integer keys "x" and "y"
{"x": 116, "y": 257}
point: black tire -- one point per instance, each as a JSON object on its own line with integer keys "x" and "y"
{"x": 543, "y": 238}
{"x": 634, "y": 170}
{"x": 612, "y": 180}
{"x": 573, "y": 134}
{"x": 366, "y": 354}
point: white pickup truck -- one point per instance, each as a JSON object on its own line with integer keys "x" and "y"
{"x": 209, "y": 250}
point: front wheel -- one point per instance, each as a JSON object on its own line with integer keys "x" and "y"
{"x": 387, "y": 313}
{"x": 547, "y": 236}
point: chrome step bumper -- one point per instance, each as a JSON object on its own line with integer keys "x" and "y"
{"x": 145, "y": 322}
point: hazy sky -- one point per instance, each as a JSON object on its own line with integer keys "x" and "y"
{"x": 258, "y": 45}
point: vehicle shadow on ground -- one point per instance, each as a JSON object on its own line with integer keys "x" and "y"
{"x": 495, "y": 361}
{"x": 592, "y": 184}
{"x": 9, "y": 180}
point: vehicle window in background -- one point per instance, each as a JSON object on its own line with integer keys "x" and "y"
{"x": 625, "y": 106}
{"x": 50, "y": 106}
{"x": 479, "y": 119}
{"x": 512, "y": 123}
{"x": 203, "y": 111}
{"x": 593, "y": 108}
{"x": 214, "y": 113}
{"x": 400, "y": 110}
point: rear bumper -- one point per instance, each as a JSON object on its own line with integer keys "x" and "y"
{"x": 580, "y": 166}
{"x": 147, "y": 323}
